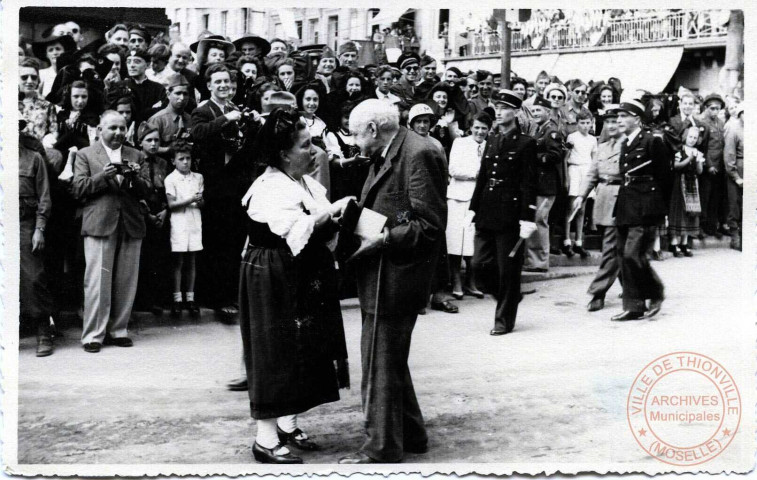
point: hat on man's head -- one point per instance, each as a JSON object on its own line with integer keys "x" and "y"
{"x": 327, "y": 52}
{"x": 555, "y": 86}
{"x": 347, "y": 47}
{"x": 508, "y": 97}
{"x": 418, "y": 110}
{"x": 177, "y": 80}
{"x": 540, "y": 101}
{"x": 456, "y": 71}
{"x": 407, "y": 59}
{"x": 134, "y": 52}
{"x": 633, "y": 107}
{"x": 145, "y": 128}
{"x": 263, "y": 45}
{"x": 714, "y": 97}
{"x": 427, "y": 60}
{"x": 141, "y": 31}
{"x": 611, "y": 111}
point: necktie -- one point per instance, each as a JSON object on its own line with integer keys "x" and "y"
{"x": 378, "y": 162}
{"x": 480, "y": 150}
{"x": 180, "y": 123}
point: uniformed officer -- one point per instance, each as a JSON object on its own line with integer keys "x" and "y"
{"x": 504, "y": 206}
{"x": 549, "y": 162}
{"x": 34, "y": 211}
{"x": 604, "y": 174}
{"x": 642, "y": 203}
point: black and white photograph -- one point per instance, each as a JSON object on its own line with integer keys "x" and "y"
{"x": 255, "y": 238}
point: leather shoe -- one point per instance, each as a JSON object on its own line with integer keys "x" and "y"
{"x": 495, "y": 332}
{"x": 303, "y": 443}
{"x": 118, "y": 341}
{"x": 445, "y": 306}
{"x": 568, "y": 250}
{"x": 473, "y": 292}
{"x": 176, "y": 309}
{"x": 268, "y": 455}
{"x": 626, "y": 316}
{"x": 596, "y": 304}
{"x": 654, "y": 308}
{"x": 457, "y": 295}
{"x": 193, "y": 309}
{"x": 45, "y": 345}
{"x": 356, "y": 458}
{"x": 92, "y": 347}
{"x": 535, "y": 269}
{"x": 657, "y": 255}
{"x": 238, "y": 385}
{"x": 686, "y": 251}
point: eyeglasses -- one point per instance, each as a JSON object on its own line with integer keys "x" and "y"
{"x": 556, "y": 97}
{"x": 75, "y": 30}
{"x": 580, "y": 92}
{"x": 411, "y": 69}
{"x": 29, "y": 77}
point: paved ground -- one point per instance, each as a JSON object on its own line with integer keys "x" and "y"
{"x": 554, "y": 390}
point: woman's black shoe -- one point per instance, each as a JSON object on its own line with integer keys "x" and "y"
{"x": 268, "y": 455}
{"x": 193, "y": 309}
{"x": 657, "y": 255}
{"x": 686, "y": 251}
{"x": 567, "y": 250}
{"x": 297, "y": 438}
{"x": 677, "y": 251}
{"x": 580, "y": 250}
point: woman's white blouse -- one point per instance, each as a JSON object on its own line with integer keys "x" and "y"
{"x": 465, "y": 161}
{"x": 275, "y": 199}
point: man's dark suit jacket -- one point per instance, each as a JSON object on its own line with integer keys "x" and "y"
{"x": 105, "y": 201}
{"x": 208, "y": 127}
{"x": 410, "y": 189}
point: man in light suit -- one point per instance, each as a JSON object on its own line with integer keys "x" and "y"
{"x": 604, "y": 174}
{"x": 109, "y": 181}
{"x": 407, "y": 183}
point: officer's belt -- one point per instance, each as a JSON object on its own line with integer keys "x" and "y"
{"x": 610, "y": 181}
{"x": 629, "y": 179}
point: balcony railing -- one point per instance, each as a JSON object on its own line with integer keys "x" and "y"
{"x": 677, "y": 26}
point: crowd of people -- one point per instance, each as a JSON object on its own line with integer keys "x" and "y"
{"x": 190, "y": 114}
{"x": 146, "y": 169}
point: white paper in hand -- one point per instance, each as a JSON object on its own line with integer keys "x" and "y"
{"x": 369, "y": 224}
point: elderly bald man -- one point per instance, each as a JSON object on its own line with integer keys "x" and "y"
{"x": 109, "y": 181}
{"x": 407, "y": 183}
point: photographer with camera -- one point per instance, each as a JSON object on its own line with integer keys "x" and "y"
{"x": 110, "y": 182}
{"x": 215, "y": 130}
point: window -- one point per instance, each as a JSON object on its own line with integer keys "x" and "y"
{"x": 313, "y": 30}
{"x": 333, "y": 32}
{"x": 443, "y": 22}
{"x": 298, "y": 25}
{"x": 224, "y": 19}
{"x": 205, "y": 21}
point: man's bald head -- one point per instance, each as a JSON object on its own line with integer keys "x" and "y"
{"x": 112, "y": 129}
{"x": 180, "y": 57}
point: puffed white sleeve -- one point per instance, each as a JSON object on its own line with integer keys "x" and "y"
{"x": 280, "y": 206}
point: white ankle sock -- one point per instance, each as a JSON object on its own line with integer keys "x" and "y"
{"x": 176, "y": 296}
{"x": 288, "y": 423}
{"x": 190, "y": 296}
{"x": 267, "y": 436}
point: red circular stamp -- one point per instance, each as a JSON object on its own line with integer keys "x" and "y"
{"x": 684, "y": 408}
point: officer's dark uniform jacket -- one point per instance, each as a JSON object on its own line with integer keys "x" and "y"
{"x": 646, "y": 181}
{"x": 506, "y": 185}
{"x": 549, "y": 159}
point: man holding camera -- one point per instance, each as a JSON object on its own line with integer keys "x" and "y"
{"x": 215, "y": 132}
{"x": 108, "y": 179}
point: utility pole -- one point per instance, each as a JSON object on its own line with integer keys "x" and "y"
{"x": 500, "y": 15}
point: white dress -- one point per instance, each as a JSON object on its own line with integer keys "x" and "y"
{"x": 186, "y": 222}
{"x": 464, "y": 161}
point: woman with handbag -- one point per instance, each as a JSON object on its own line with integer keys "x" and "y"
{"x": 684, "y": 203}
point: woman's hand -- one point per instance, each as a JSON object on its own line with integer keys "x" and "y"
{"x": 337, "y": 208}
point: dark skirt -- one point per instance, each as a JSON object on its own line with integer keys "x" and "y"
{"x": 292, "y": 329}
{"x": 681, "y": 222}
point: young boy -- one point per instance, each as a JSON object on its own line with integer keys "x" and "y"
{"x": 184, "y": 193}
{"x": 584, "y": 148}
